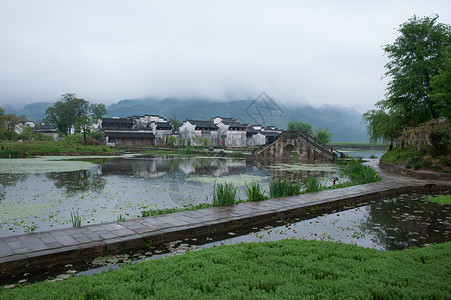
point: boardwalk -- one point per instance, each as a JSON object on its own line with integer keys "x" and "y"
{"x": 34, "y": 251}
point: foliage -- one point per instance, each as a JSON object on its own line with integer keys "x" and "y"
{"x": 299, "y": 126}
{"x": 441, "y": 199}
{"x": 51, "y": 147}
{"x": 287, "y": 269}
{"x": 254, "y": 192}
{"x": 175, "y": 141}
{"x": 423, "y": 159}
{"x": 435, "y": 133}
{"x": 440, "y": 93}
{"x": 360, "y": 174}
{"x": 76, "y": 112}
{"x": 200, "y": 141}
{"x": 75, "y": 219}
{"x": 189, "y": 150}
{"x": 283, "y": 188}
{"x": 313, "y": 184}
{"x": 417, "y": 57}
{"x": 224, "y": 194}
{"x": 175, "y": 124}
{"x": 323, "y": 135}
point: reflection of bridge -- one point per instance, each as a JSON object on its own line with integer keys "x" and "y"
{"x": 308, "y": 148}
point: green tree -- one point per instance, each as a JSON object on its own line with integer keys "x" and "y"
{"x": 175, "y": 124}
{"x": 299, "y": 126}
{"x": 381, "y": 126}
{"x": 323, "y": 135}
{"x": 416, "y": 57}
{"x": 441, "y": 87}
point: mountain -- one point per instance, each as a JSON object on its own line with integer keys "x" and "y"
{"x": 345, "y": 123}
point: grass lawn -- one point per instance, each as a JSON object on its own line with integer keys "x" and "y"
{"x": 287, "y": 269}
{"x": 441, "y": 199}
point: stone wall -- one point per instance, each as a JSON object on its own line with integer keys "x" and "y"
{"x": 419, "y": 174}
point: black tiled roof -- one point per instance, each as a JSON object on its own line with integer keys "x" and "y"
{"x": 164, "y": 125}
{"x": 117, "y": 121}
{"x": 203, "y": 124}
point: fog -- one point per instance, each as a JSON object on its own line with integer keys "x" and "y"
{"x": 311, "y": 52}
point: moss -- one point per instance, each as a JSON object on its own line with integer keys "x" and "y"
{"x": 441, "y": 199}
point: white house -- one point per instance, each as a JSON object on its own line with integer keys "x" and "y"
{"x": 231, "y": 132}
{"x": 190, "y": 129}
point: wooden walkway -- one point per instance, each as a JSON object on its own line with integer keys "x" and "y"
{"x": 42, "y": 250}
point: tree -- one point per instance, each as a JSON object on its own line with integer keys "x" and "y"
{"x": 416, "y": 56}
{"x": 381, "y": 127}
{"x": 299, "y": 126}
{"x": 175, "y": 124}
{"x": 441, "y": 87}
{"x": 323, "y": 135}
{"x": 76, "y": 112}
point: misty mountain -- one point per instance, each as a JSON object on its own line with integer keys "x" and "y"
{"x": 345, "y": 124}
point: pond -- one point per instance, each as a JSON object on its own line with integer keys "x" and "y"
{"x": 40, "y": 194}
{"x": 391, "y": 223}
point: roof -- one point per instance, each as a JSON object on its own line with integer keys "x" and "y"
{"x": 203, "y": 124}
{"x": 270, "y": 133}
{"x": 130, "y": 134}
{"x": 163, "y": 125}
{"x": 117, "y": 121}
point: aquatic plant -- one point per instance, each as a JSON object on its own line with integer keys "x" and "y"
{"x": 283, "y": 188}
{"x": 440, "y": 199}
{"x": 188, "y": 150}
{"x": 120, "y": 218}
{"x": 360, "y": 174}
{"x": 254, "y": 192}
{"x": 75, "y": 219}
{"x": 224, "y": 194}
{"x": 313, "y": 184}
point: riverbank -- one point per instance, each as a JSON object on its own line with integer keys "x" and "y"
{"x": 65, "y": 148}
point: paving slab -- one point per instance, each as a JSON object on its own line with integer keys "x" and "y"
{"x": 35, "y": 251}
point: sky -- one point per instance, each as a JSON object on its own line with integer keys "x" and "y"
{"x": 304, "y": 52}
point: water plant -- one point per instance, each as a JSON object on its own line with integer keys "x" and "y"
{"x": 120, "y": 218}
{"x": 156, "y": 212}
{"x": 283, "y": 188}
{"x": 360, "y": 174}
{"x": 254, "y": 192}
{"x": 75, "y": 219}
{"x": 224, "y": 194}
{"x": 188, "y": 150}
{"x": 313, "y": 184}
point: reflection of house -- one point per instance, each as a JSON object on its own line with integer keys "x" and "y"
{"x": 50, "y": 130}
{"x": 190, "y": 129}
{"x": 231, "y": 132}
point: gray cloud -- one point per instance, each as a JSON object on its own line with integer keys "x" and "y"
{"x": 315, "y": 52}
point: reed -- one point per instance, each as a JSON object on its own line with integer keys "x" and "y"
{"x": 224, "y": 194}
{"x": 254, "y": 192}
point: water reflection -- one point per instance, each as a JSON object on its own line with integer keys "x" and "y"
{"x": 78, "y": 181}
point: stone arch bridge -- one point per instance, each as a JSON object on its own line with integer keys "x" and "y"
{"x": 308, "y": 148}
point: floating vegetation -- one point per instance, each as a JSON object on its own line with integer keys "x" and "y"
{"x": 306, "y": 167}
{"x": 43, "y": 165}
{"x": 239, "y": 179}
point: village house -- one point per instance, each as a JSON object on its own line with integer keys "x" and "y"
{"x": 190, "y": 129}
{"x": 50, "y": 130}
{"x": 231, "y": 132}
{"x": 123, "y": 132}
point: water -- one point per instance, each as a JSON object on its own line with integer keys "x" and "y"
{"x": 393, "y": 223}
{"x": 40, "y": 194}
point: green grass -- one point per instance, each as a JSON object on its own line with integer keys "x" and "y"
{"x": 25, "y": 149}
{"x": 254, "y": 192}
{"x": 410, "y": 158}
{"x": 288, "y": 269}
{"x": 360, "y": 174}
{"x": 224, "y": 194}
{"x": 441, "y": 199}
{"x": 283, "y": 188}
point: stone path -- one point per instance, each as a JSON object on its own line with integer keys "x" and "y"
{"x": 41, "y": 250}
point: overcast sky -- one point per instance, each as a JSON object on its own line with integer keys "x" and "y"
{"x": 313, "y": 52}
